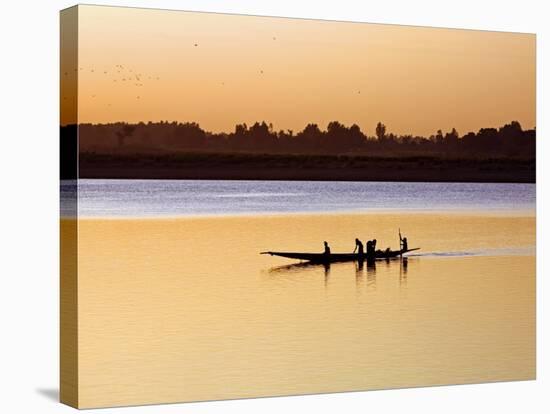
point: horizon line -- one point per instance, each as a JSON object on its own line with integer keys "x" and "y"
{"x": 274, "y": 129}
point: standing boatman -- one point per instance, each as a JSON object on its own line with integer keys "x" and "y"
{"x": 358, "y": 247}
{"x": 403, "y": 242}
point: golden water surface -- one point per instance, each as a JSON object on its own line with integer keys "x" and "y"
{"x": 187, "y": 309}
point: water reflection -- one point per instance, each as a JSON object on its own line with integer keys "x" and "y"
{"x": 365, "y": 272}
{"x": 371, "y": 275}
{"x": 359, "y": 266}
{"x": 297, "y": 267}
{"x": 326, "y": 266}
{"x": 403, "y": 267}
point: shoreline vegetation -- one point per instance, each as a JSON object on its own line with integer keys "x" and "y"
{"x": 172, "y": 150}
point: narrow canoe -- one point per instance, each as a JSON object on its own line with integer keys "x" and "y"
{"x": 340, "y": 257}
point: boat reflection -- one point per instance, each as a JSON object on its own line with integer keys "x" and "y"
{"x": 371, "y": 274}
{"x": 403, "y": 268}
{"x": 364, "y": 270}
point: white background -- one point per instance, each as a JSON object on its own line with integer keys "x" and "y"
{"x": 29, "y": 296}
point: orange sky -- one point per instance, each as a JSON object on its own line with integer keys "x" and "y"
{"x": 219, "y": 70}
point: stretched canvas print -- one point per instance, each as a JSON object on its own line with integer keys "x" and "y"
{"x": 256, "y": 206}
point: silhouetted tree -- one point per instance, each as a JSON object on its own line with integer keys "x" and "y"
{"x": 509, "y": 140}
{"x": 310, "y": 137}
{"x": 451, "y": 140}
{"x": 380, "y": 131}
{"x": 127, "y": 131}
{"x": 439, "y": 137}
{"x": 188, "y": 135}
{"x": 262, "y": 137}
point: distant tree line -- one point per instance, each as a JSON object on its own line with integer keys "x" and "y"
{"x": 510, "y": 140}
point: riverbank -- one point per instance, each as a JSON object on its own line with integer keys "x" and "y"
{"x": 247, "y": 166}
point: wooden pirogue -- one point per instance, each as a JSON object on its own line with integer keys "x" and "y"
{"x": 341, "y": 257}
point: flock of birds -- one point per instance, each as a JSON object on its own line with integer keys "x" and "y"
{"x": 120, "y": 73}
{"x": 134, "y": 78}
{"x": 128, "y": 75}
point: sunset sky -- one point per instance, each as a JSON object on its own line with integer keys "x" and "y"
{"x": 220, "y": 70}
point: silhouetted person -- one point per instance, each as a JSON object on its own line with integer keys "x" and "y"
{"x": 374, "y": 245}
{"x": 404, "y": 243}
{"x": 327, "y": 248}
{"x": 358, "y": 247}
{"x": 370, "y": 250}
{"x": 371, "y": 253}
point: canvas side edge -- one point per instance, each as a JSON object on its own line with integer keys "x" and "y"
{"x": 68, "y": 369}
